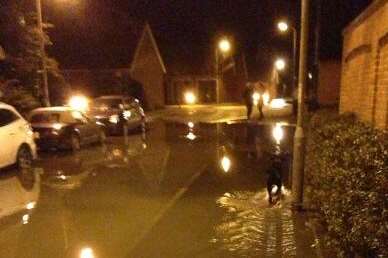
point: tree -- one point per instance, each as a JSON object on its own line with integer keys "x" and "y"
{"x": 20, "y": 39}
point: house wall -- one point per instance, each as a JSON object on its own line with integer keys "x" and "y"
{"x": 364, "y": 80}
{"x": 329, "y": 83}
{"x": 146, "y": 69}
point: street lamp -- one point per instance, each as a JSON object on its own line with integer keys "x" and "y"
{"x": 280, "y": 64}
{"x": 190, "y": 98}
{"x": 46, "y": 94}
{"x": 299, "y": 138}
{"x": 224, "y": 47}
{"x": 284, "y": 27}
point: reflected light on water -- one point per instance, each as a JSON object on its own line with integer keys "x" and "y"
{"x": 31, "y": 205}
{"x": 190, "y": 125}
{"x": 87, "y": 252}
{"x": 278, "y": 133}
{"x": 191, "y": 136}
{"x": 252, "y": 228}
{"x": 226, "y": 164}
{"x": 117, "y": 153}
{"x": 25, "y": 219}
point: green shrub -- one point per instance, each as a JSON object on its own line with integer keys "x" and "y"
{"x": 347, "y": 179}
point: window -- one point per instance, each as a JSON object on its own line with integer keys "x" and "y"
{"x": 45, "y": 118}
{"x": 7, "y": 117}
{"x": 107, "y": 103}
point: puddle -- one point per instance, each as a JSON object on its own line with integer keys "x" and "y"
{"x": 252, "y": 228}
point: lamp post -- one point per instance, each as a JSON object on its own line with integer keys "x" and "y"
{"x": 299, "y": 147}
{"x": 46, "y": 96}
{"x": 279, "y": 66}
{"x": 224, "y": 46}
{"x": 284, "y": 27}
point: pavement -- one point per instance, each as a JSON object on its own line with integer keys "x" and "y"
{"x": 164, "y": 194}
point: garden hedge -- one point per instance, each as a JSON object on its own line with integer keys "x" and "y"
{"x": 347, "y": 182}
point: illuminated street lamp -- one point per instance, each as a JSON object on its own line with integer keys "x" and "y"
{"x": 224, "y": 47}
{"x": 190, "y": 98}
{"x": 284, "y": 27}
{"x": 79, "y": 103}
{"x": 280, "y": 64}
{"x": 46, "y": 94}
{"x": 87, "y": 252}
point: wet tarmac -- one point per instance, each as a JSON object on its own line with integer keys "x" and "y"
{"x": 178, "y": 190}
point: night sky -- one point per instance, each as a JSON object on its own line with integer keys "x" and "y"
{"x": 103, "y": 33}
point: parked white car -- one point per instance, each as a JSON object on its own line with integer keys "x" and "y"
{"x": 17, "y": 144}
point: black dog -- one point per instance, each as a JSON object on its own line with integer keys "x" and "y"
{"x": 274, "y": 182}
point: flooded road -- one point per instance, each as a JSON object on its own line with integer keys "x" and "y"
{"x": 178, "y": 190}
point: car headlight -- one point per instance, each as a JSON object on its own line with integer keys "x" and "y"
{"x": 114, "y": 119}
{"x": 57, "y": 126}
{"x": 278, "y": 103}
{"x": 127, "y": 114}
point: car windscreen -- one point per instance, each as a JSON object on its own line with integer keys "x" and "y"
{"x": 107, "y": 103}
{"x": 45, "y": 118}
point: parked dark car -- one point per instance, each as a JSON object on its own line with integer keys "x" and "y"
{"x": 115, "y": 111}
{"x": 65, "y": 128}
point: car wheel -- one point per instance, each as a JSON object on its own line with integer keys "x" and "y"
{"x": 25, "y": 168}
{"x": 75, "y": 142}
{"x": 24, "y": 158}
{"x": 102, "y": 136}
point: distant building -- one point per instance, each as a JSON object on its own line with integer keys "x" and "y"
{"x": 364, "y": 80}
{"x": 148, "y": 68}
{"x": 165, "y": 76}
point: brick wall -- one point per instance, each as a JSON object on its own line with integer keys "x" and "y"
{"x": 364, "y": 80}
{"x": 329, "y": 83}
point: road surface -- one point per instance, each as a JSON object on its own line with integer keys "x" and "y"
{"x": 165, "y": 194}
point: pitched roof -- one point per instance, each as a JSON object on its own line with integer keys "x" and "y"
{"x": 148, "y": 32}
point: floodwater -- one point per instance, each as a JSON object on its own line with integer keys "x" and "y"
{"x": 178, "y": 190}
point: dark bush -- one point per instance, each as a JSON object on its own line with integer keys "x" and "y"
{"x": 347, "y": 182}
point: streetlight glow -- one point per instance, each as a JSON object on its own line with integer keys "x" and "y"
{"x": 224, "y": 45}
{"x": 280, "y": 64}
{"x": 190, "y": 97}
{"x": 226, "y": 163}
{"x": 87, "y": 252}
{"x": 283, "y": 26}
{"x": 79, "y": 103}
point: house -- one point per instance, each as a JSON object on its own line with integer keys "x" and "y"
{"x": 148, "y": 68}
{"x": 165, "y": 76}
{"x": 364, "y": 79}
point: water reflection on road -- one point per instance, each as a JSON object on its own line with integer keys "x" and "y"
{"x": 108, "y": 200}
